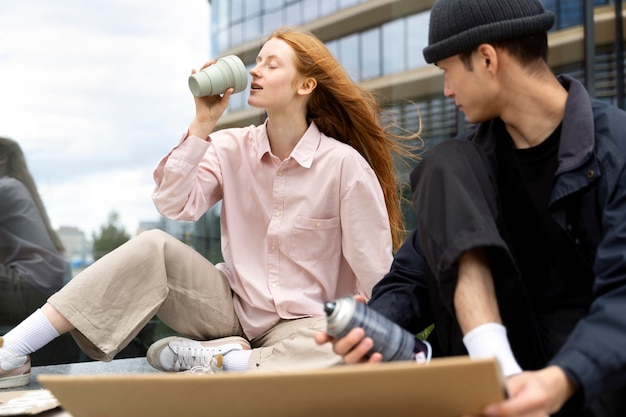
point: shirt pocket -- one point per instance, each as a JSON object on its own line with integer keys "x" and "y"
{"x": 314, "y": 239}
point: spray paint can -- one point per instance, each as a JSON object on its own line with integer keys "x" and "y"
{"x": 390, "y": 340}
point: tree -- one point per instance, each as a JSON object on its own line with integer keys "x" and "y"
{"x": 111, "y": 236}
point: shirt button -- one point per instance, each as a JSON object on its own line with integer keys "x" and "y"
{"x": 317, "y": 224}
{"x": 277, "y": 214}
{"x": 274, "y": 285}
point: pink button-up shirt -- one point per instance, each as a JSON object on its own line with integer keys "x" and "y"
{"x": 295, "y": 233}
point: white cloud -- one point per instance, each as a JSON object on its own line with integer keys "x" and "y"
{"x": 96, "y": 93}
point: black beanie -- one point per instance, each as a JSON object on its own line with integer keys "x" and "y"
{"x": 461, "y": 25}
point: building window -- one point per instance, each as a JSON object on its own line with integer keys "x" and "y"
{"x": 349, "y": 52}
{"x": 394, "y": 50}
{"x": 569, "y": 13}
{"x": 237, "y": 21}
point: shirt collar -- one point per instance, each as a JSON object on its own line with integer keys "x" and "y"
{"x": 303, "y": 153}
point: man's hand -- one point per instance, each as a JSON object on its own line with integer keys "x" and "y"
{"x": 534, "y": 394}
{"x": 353, "y": 347}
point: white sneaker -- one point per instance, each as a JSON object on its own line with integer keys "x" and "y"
{"x": 14, "y": 369}
{"x": 178, "y": 354}
{"x": 216, "y": 366}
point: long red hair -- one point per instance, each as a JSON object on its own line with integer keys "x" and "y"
{"x": 349, "y": 113}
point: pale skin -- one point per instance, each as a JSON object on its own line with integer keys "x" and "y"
{"x": 276, "y": 87}
{"x": 531, "y": 102}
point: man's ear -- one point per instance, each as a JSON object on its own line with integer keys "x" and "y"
{"x": 307, "y": 86}
{"x": 487, "y": 57}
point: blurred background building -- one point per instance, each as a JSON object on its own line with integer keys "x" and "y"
{"x": 78, "y": 249}
{"x": 380, "y": 44}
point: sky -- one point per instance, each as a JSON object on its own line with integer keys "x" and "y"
{"x": 96, "y": 93}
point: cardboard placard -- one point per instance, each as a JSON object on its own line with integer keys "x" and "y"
{"x": 446, "y": 387}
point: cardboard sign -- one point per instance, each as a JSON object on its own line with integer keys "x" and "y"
{"x": 446, "y": 387}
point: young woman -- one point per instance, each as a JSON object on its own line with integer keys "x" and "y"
{"x": 308, "y": 198}
{"x": 32, "y": 266}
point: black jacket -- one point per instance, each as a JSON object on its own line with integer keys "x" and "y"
{"x": 589, "y": 202}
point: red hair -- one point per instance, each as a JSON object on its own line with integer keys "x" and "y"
{"x": 349, "y": 113}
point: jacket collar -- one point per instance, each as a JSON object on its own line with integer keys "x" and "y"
{"x": 577, "y": 131}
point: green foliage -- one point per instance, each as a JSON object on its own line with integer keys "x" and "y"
{"x": 423, "y": 335}
{"x": 111, "y": 236}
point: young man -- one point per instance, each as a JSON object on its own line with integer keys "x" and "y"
{"x": 520, "y": 249}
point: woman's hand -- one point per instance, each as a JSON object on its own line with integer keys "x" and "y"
{"x": 209, "y": 109}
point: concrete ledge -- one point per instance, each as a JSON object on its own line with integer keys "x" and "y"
{"x": 117, "y": 366}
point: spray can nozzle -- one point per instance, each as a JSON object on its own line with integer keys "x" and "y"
{"x": 329, "y": 307}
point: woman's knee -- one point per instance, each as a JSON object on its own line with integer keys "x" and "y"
{"x": 153, "y": 235}
{"x": 151, "y": 240}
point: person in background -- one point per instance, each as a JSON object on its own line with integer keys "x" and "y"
{"x": 32, "y": 265}
{"x": 310, "y": 211}
{"x": 519, "y": 252}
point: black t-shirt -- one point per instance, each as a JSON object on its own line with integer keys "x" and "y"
{"x": 554, "y": 274}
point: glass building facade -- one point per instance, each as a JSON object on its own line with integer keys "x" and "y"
{"x": 380, "y": 44}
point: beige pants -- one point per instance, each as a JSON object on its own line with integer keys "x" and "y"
{"x": 156, "y": 274}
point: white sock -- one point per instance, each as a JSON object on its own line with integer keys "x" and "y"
{"x": 237, "y": 360}
{"x": 32, "y": 334}
{"x": 489, "y": 340}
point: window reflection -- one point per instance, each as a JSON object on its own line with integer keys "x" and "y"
{"x": 273, "y": 4}
{"x": 328, "y": 6}
{"x": 371, "y": 65}
{"x": 349, "y": 52}
{"x": 252, "y": 28}
{"x": 416, "y": 26}
{"x": 394, "y": 52}
{"x": 293, "y": 14}
{"x": 236, "y": 10}
{"x": 237, "y": 33}
{"x": 271, "y": 20}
